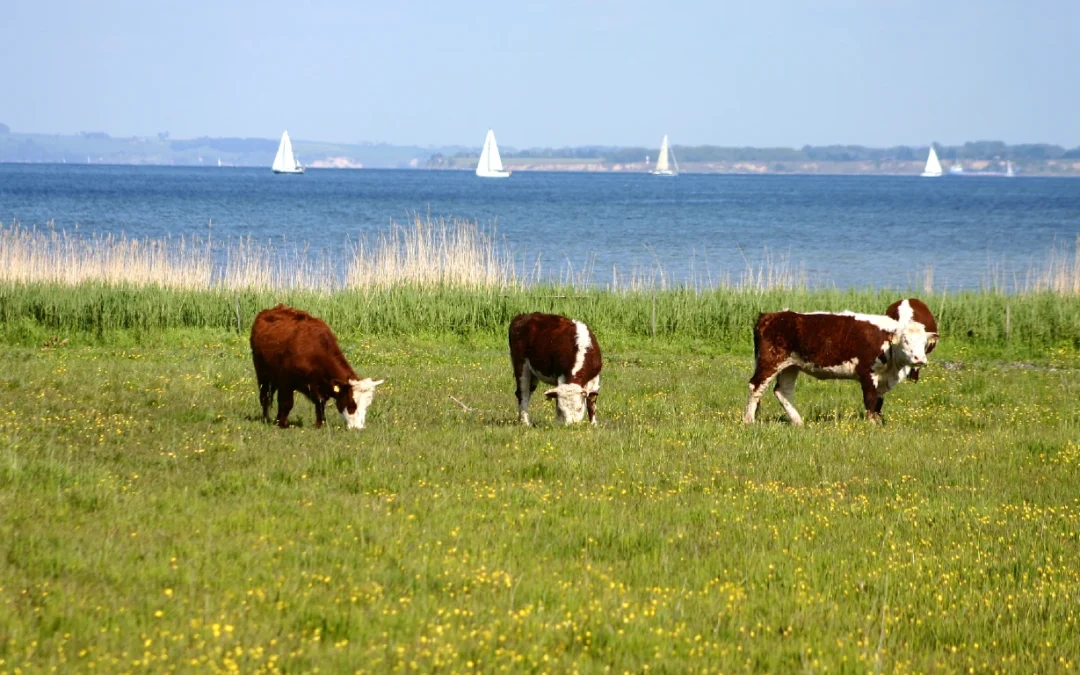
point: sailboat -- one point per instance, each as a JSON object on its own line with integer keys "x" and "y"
{"x": 663, "y": 168}
{"x": 1009, "y": 170}
{"x": 490, "y": 164}
{"x": 284, "y": 160}
{"x": 933, "y": 166}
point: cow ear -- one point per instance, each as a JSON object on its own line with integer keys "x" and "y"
{"x": 375, "y": 383}
{"x": 552, "y": 393}
{"x": 339, "y": 386}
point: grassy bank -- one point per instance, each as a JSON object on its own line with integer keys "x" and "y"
{"x": 149, "y": 521}
{"x": 1029, "y": 325}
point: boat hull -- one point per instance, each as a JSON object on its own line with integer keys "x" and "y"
{"x": 298, "y": 171}
{"x": 493, "y": 174}
{"x": 663, "y": 173}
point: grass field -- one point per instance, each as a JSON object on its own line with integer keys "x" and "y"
{"x": 149, "y": 521}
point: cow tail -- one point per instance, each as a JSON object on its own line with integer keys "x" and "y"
{"x": 757, "y": 337}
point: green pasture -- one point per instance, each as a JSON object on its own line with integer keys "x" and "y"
{"x": 150, "y": 522}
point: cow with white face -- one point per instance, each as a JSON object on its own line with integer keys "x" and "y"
{"x": 559, "y": 351}
{"x": 880, "y": 351}
{"x": 294, "y": 351}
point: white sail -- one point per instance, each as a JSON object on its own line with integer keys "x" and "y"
{"x": 490, "y": 164}
{"x": 284, "y": 160}
{"x": 933, "y": 166}
{"x": 663, "y": 166}
{"x": 1009, "y": 170}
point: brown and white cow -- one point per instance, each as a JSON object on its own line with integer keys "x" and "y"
{"x": 877, "y": 350}
{"x": 559, "y": 351}
{"x": 294, "y": 351}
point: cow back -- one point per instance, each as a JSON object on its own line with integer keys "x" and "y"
{"x": 290, "y": 342}
{"x": 551, "y": 344}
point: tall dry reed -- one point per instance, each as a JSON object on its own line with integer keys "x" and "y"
{"x": 428, "y": 253}
{"x": 52, "y": 256}
{"x": 424, "y": 253}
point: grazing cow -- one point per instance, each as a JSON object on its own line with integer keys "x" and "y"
{"x": 913, "y": 309}
{"x": 558, "y": 351}
{"x": 294, "y": 351}
{"x": 878, "y": 351}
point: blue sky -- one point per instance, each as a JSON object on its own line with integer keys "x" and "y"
{"x": 548, "y": 73}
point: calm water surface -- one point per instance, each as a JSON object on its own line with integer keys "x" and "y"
{"x": 844, "y": 230}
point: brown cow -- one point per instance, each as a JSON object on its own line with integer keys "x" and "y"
{"x": 878, "y": 351}
{"x": 558, "y": 351}
{"x": 294, "y": 351}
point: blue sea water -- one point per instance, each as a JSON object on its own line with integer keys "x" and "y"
{"x": 843, "y": 230}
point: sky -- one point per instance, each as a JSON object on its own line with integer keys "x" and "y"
{"x": 618, "y": 72}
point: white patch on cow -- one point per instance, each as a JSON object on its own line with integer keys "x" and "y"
{"x": 593, "y": 385}
{"x": 883, "y": 322}
{"x": 905, "y": 312}
{"x": 841, "y": 371}
{"x": 785, "y": 393}
{"x": 363, "y": 392}
{"x": 583, "y": 342}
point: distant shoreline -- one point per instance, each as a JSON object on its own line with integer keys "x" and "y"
{"x": 161, "y": 150}
{"x": 834, "y": 169}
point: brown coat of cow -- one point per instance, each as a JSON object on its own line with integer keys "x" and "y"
{"x": 295, "y": 351}
{"x": 559, "y": 351}
{"x": 878, "y": 351}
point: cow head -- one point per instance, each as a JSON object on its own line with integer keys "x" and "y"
{"x": 911, "y": 310}
{"x": 569, "y": 402}
{"x": 911, "y": 343}
{"x": 353, "y": 399}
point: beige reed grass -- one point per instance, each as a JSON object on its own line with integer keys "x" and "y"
{"x": 422, "y": 253}
{"x": 428, "y": 253}
{"x": 51, "y": 256}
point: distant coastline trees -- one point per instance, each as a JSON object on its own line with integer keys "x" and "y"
{"x": 972, "y": 150}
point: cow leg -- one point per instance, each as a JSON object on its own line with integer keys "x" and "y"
{"x": 266, "y": 397}
{"x": 785, "y": 393}
{"x": 590, "y": 407}
{"x": 872, "y": 400}
{"x": 284, "y": 405}
{"x": 320, "y": 412}
{"x": 762, "y": 378}
{"x": 880, "y": 404}
{"x": 525, "y": 387}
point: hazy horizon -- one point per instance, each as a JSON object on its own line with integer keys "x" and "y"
{"x": 778, "y": 74}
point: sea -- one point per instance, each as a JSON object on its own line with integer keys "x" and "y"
{"x": 841, "y": 231}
